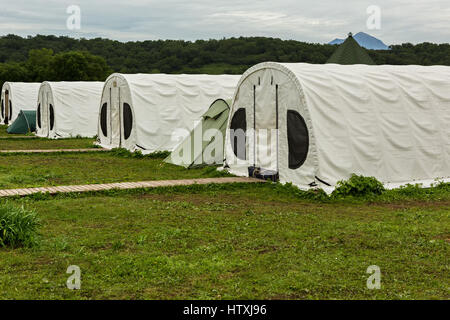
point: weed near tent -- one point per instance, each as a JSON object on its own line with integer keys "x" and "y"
{"x": 18, "y": 226}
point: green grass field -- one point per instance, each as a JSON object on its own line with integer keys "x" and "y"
{"x": 45, "y": 144}
{"x": 233, "y": 242}
{"x": 262, "y": 241}
{"x": 38, "y": 170}
{"x": 32, "y": 142}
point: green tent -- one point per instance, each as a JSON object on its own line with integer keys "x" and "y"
{"x": 24, "y": 123}
{"x": 350, "y": 52}
{"x": 209, "y": 150}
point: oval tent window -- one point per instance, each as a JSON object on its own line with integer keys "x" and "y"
{"x": 298, "y": 139}
{"x": 238, "y": 128}
{"x": 3, "y": 109}
{"x": 127, "y": 120}
{"x": 52, "y": 117}
{"x": 103, "y": 119}
{"x": 38, "y": 114}
{"x": 10, "y": 110}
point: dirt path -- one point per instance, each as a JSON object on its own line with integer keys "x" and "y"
{"x": 123, "y": 185}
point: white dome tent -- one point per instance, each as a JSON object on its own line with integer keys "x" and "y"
{"x": 17, "y": 96}
{"x": 68, "y": 109}
{"x": 390, "y": 122}
{"x": 143, "y": 111}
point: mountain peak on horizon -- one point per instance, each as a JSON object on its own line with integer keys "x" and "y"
{"x": 364, "y": 40}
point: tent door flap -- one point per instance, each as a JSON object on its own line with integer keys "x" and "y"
{"x": 265, "y": 123}
{"x": 114, "y": 116}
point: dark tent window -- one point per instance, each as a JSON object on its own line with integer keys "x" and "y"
{"x": 38, "y": 114}
{"x": 298, "y": 139}
{"x": 52, "y": 117}
{"x": 3, "y": 109}
{"x": 103, "y": 119}
{"x": 127, "y": 120}
{"x": 10, "y": 110}
{"x": 238, "y": 130}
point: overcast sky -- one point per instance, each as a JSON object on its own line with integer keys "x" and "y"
{"x": 312, "y": 21}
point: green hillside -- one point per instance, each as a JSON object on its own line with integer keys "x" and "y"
{"x": 61, "y": 58}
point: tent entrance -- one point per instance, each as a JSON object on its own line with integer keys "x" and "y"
{"x": 265, "y": 129}
{"x": 189, "y": 154}
{"x": 7, "y": 111}
{"x": 120, "y": 114}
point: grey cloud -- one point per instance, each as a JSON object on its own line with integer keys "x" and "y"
{"x": 312, "y": 21}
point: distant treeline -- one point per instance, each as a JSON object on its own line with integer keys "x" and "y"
{"x": 62, "y": 58}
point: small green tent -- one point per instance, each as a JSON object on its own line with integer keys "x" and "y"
{"x": 350, "y": 52}
{"x": 24, "y": 123}
{"x": 210, "y": 135}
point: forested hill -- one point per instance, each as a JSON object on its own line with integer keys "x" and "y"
{"x": 233, "y": 55}
{"x": 172, "y": 56}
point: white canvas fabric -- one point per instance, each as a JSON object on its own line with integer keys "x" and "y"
{"x": 75, "y": 109}
{"x": 390, "y": 122}
{"x": 22, "y": 96}
{"x": 159, "y": 106}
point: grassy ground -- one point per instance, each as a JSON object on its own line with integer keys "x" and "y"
{"x": 234, "y": 241}
{"x": 44, "y": 144}
{"x": 31, "y": 142}
{"x": 215, "y": 242}
{"x": 38, "y": 170}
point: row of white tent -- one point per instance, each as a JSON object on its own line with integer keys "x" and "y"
{"x": 311, "y": 125}
{"x": 137, "y": 112}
